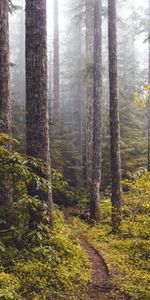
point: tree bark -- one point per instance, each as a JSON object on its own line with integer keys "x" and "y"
{"x": 38, "y": 144}
{"x": 97, "y": 114}
{"x": 5, "y": 104}
{"x": 5, "y": 110}
{"x": 89, "y": 90}
{"x": 114, "y": 118}
{"x": 56, "y": 71}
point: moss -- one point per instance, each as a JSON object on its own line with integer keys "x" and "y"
{"x": 9, "y": 287}
{"x": 126, "y": 254}
{"x": 55, "y": 266}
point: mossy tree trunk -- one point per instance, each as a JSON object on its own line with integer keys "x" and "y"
{"x": 97, "y": 114}
{"x": 5, "y": 105}
{"x": 114, "y": 117}
{"x": 38, "y": 144}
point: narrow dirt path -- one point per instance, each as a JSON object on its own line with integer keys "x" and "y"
{"x": 100, "y": 276}
{"x": 99, "y": 288}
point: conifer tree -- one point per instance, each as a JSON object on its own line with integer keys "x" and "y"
{"x": 114, "y": 117}
{"x": 38, "y": 144}
{"x": 89, "y": 90}
{"x": 5, "y": 105}
{"x": 5, "y": 119}
{"x": 97, "y": 114}
{"x": 56, "y": 71}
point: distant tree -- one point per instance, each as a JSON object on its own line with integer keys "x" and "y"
{"x": 97, "y": 114}
{"x": 114, "y": 118}
{"x": 89, "y": 90}
{"x": 74, "y": 101}
{"x": 78, "y": 88}
{"x": 38, "y": 145}
{"x": 56, "y": 71}
{"x": 5, "y": 105}
{"x": 17, "y": 44}
{"x": 21, "y": 57}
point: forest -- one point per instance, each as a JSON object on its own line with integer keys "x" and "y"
{"x": 74, "y": 149}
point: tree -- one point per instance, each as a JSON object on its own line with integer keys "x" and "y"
{"x": 5, "y": 105}
{"x": 73, "y": 88}
{"x": 17, "y": 42}
{"x": 56, "y": 71}
{"x": 89, "y": 90}
{"x": 38, "y": 145}
{"x": 5, "y": 109}
{"x": 114, "y": 118}
{"x": 149, "y": 100}
{"x": 78, "y": 96}
{"x": 97, "y": 113}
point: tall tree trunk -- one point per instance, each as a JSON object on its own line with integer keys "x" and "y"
{"x": 149, "y": 99}
{"x": 5, "y": 110}
{"x": 56, "y": 71}
{"x": 77, "y": 97}
{"x": 114, "y": 118}
{"x": 5, "y": 105}
{"x": 50, "y": 91}
{"x": 21, "y": 79}
{"x": 89, "y": 90}
{"x": 78, "y": 91}
{"x": 97, "y": 113}
{"x": 38, "y": 144}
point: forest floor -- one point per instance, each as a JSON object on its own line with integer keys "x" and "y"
{"x": 119, "y": 263}
{"x": 99, "y": 288}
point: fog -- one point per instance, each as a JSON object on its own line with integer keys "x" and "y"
{"x": 132, "y": 25}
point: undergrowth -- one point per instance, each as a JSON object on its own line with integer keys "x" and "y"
{"x": 36, "y": 263}
{"x": 43, "y": 264}
{"x": 126, "y": 254}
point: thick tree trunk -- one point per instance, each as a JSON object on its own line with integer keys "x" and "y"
{"x": 56, "y": 72}
{"x": 89, "y": 90}
{"x": 5, "y": 106}
{"x": 38, "y": 144}
{"x": 5, "y": 119}
{"x": 97, "y": 114}
{"x": 114, "y": 118}
{"x": 149, "y": 99}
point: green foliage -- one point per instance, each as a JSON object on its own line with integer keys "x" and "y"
{"x": 49, "y": 264}
{"x": 64, "y": 194}
{"x": 9, "y": 287}
{"x": 126, "y": 254}
{"x": 136, "y": 206}
{"x": 35, "y": 262}
{"x": 65, "y": 155}
{"x": 17, "y": 171}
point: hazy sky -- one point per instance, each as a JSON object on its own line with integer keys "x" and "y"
{"x": 124, "y": 11}
{"x": 63, "y": 4}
